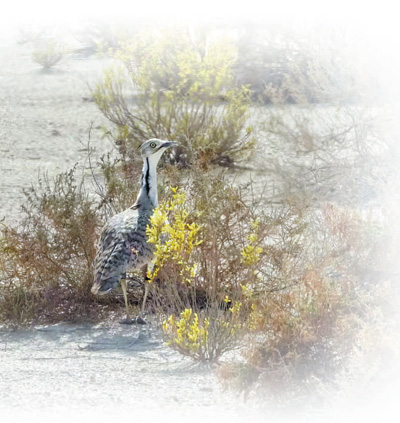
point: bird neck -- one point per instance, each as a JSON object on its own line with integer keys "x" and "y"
{"x": 148, "y": 195}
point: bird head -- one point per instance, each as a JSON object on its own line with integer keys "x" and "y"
{"x": 155, "y": 148}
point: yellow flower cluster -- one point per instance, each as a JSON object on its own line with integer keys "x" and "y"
{"x": 187, "y": 334}
{"x": 251, "y": 252}
{"x": 174, "y": 238}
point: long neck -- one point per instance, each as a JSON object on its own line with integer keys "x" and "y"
{"x": 148, "y": 196}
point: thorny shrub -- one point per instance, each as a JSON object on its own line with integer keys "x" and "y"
{"x": 204, "y": 330}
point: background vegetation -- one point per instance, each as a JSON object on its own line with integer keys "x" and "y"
{"x": 48, "y": 52}
{"x": 284, "y": 264}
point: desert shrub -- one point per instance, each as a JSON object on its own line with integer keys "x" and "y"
{"x": 227, "y": 255}
{"x": 335, "y": 154}
{"x": 283, "y": 285}
{"x": 302, "y": 337}
{"x": 286, "y": 65}
{"x": 165, "y": 88}
{"x": 204, "y": 335}
{"x": 199, "y": 319}
{"x": 48, "y": 53}
{"x": 46, "y": 261}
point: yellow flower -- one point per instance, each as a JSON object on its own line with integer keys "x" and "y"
{"x": 173, "y": 237}
{"x": 251, "y": 252}
{"x": 188, "y": 333}
{"x": 235, "y": 309}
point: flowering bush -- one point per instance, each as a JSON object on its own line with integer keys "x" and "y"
{"x": 187, "y": 334}
{"x": 206, "y": 335}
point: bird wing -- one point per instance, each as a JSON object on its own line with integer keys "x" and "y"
{"x": 110, "y": 269}
{"x": 116, "y": 251}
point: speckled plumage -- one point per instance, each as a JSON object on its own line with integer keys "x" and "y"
{"x": 122, "y": 247}
{"x": 123, "y": 243}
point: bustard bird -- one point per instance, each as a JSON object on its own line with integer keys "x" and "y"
{"x": 123, "y": 245}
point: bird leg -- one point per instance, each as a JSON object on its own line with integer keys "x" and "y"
{"x": 127, "y": 320}
{"x": 149, "y": 266}
{"x": 124, "y": 290}
{"x": 140, "y": 319}
{"x": 146, "y": 291}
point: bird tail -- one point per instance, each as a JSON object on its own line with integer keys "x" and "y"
{"x": 101, "y": 287}
{"x": 109, "y": 270}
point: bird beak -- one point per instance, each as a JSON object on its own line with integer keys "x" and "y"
{"x": 168, "y": 144}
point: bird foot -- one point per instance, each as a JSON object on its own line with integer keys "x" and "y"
{"x": 127, "y": 321}
{"x": 136, "y": 321}
{"x": 140, "y": 321}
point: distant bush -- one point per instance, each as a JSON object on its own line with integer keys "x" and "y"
{"x": 288, "y": 65}
{"x": 48, "y": 53}
{"x": 168, "y": 89}
{"x": 335, "y": 154}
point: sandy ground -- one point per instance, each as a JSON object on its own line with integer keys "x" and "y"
{"x": 107, "y": 372}
{"x": 45, "y": 118}
{"x": 125, "y": 373}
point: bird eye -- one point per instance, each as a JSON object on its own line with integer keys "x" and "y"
{"x": 153, "y": 145}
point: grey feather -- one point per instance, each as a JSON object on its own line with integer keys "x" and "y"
{"x": 122, "y": 246}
